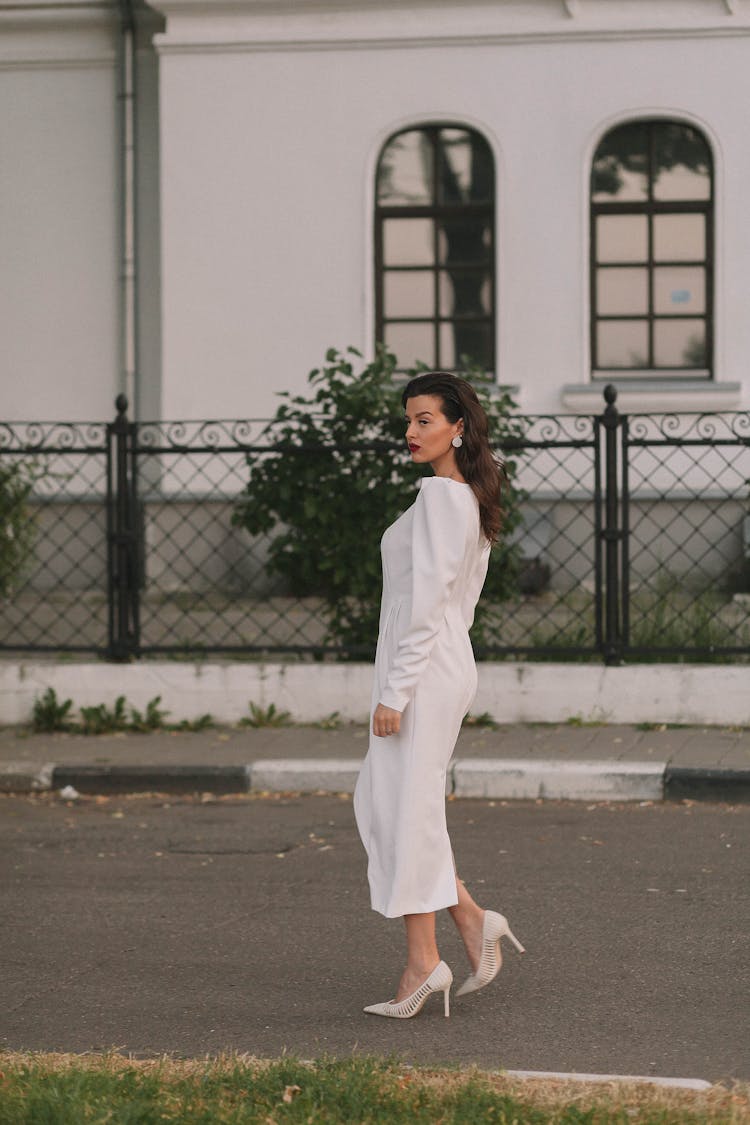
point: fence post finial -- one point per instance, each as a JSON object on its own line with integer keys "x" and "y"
{"x": 610, "y": 397}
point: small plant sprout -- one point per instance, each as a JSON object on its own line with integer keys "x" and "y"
{"x": 265, "y": 717}
{"x": 153, "y": 719}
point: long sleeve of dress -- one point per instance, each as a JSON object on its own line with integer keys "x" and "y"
{"x": 444, "y": 522}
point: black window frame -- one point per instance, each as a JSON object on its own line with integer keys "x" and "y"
{"x": 436, "y": 212}
{"x": 650, "y": 208}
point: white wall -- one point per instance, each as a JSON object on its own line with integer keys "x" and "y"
{"x": 272, "y": 117}
{"x": 270, "y": 131}
{"x": 58, "y": 222}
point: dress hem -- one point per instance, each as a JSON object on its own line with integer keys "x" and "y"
{"x": 423, "y": 910}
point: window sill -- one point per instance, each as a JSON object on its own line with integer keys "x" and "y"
{"x": 644, "y": 395}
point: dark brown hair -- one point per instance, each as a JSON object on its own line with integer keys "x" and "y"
{"x": 478, "y": 464}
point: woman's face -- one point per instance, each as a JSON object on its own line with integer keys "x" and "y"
{"x": 428, "y": 432}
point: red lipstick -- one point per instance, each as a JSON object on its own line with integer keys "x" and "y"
{"x": 413, "y": 447}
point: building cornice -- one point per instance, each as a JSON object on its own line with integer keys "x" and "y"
{"x": 65, "y": 34}
{"x": 303, "y": 25}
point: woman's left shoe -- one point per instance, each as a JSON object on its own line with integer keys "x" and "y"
{"x": 439, "y": 980}
{"x": 494, "y": 927}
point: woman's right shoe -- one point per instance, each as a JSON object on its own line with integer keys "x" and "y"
{"x": 494, "y": 927}
{"x": 439, "y": 980}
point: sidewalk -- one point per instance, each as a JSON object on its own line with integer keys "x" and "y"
{"x": 529, "y": 761}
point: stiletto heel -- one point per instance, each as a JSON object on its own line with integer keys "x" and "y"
{"x": 494, "y": 927}
{"x": 439, "y": 980}
{"x": 515, "y": 941}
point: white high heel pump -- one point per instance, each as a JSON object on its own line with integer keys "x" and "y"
{"x": 494, "y": 927}
{"x": 439, "y": 980}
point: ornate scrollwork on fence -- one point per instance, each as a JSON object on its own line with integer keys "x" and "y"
{"x": 52, "y": 437}
{"x": 552, "y": 429}
{"x": 239, "y": 436}
{"x": 682, "y": 429}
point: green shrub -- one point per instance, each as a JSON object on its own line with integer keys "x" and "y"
{"x": 100, "y": 719}
{"x": 49, "y": 714}
{"x": 17, "y": 527}
{"x": 336, "y": 477}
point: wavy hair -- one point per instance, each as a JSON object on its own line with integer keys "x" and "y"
{"x": 480, "y": 467}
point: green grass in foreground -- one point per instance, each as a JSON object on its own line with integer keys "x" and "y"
{"x": 40, "y": 1089}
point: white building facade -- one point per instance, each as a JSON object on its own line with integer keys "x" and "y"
{"x": 199, "y": 198}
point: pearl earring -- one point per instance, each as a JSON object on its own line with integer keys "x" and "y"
{"x": 457, "y": 441}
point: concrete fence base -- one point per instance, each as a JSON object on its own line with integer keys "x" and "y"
{"x": 509, "y": 692}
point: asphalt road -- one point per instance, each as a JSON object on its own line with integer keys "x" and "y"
{"x": 171, "y": 925}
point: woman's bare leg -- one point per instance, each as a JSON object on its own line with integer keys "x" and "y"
{"x": 469, "y": 918}
{"x": 422, "y": 953}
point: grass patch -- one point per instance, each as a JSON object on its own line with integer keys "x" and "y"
{"x": 70, "y": 1089}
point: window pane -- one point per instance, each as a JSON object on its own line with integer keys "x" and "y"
{"x": 405, "y": 170}
{"x": 679, "y": 238}
{"x": 622, "y": 238}
{"x": 411, "y": 343}
{"x": 621, "y": 292}
{"x": 459, "y": 340}
{"x": 682, "y": 162}
{"x": 620, "y": 170}
{"x": 407, "y": 242}
{"x": 622, "y": 343}
{"x": 409, "y": 293}
{"x": 465, "y": 169}
{"x": 680, "y": 343}
{"x": 679, "y": 289}
{"x": 464, "y": 241}
{"x": 465, "y": 292}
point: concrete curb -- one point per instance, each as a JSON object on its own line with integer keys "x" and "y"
{"x": 531, "y": 779}
{"x": 501, "y": 779}
{"x": 638, "y": 1079}
{"x": 329, "y": 775}
{"x": 701, "y": 783}
{"x": 25, "y": 777}
{"x": 162, "y": 779}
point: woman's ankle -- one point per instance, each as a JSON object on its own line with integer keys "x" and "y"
{"x": 422, "y": 965}
{"x": 466, "y": 914}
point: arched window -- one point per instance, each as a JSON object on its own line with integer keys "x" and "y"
{"x": 652, "y": 251}
{"x": 435, "y": 248}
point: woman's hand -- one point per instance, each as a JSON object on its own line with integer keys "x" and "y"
{"x": 385, "y": 721}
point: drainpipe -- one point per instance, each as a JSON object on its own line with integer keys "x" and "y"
{"x": 126, "y": 113}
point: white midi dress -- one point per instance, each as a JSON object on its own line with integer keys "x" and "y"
{"x": 434, "y": 565}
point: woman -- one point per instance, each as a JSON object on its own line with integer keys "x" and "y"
{"x": 434, "y": 564}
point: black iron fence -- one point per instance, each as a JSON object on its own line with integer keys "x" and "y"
{"x": 632, "y": 542}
